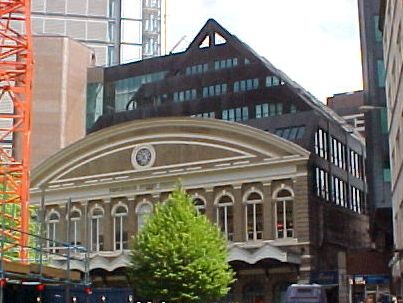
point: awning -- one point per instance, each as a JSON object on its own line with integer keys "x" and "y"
{"x": 252, "y": 255}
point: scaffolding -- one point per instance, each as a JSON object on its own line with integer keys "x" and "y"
{"x": 39, "y": 270}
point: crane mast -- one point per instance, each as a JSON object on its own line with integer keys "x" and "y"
{"x": 15, "y": 122}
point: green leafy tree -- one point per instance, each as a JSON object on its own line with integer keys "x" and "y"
{"x": 12, "y": 211}
{"x": 180, "y": 256}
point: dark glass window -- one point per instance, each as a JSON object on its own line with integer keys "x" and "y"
{"x": 378, "y": 33}
{"x": 381, "y": 73}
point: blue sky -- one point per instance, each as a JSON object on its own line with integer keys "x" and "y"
{"x": 315, "y": 42}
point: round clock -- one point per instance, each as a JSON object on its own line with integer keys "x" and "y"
{"x": 143, "y": 156}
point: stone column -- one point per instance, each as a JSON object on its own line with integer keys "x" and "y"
{"x": 107, "y": 225}
{"x": 239, "y": 215}
{"x": 210, "y": 207}
{"x": 268, "y": 211}
{"x": 61, "y": 232}
{"x": 84, "y": 224}
{"x": 131, "y": 219}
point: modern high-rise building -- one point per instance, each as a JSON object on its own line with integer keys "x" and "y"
{"x": 393, "y": 53}
{"x": 119, "y": 31}
{"x": 376, "y": 126}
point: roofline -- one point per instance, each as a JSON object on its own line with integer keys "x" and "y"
{"x": 98, "y": 138}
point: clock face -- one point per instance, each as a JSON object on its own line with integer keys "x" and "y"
{"x": 143, "y": 156}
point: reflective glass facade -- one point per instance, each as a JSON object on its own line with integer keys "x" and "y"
{"x": 117, "y": 30}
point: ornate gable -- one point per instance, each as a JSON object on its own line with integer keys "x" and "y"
{"x": 154, "y": 147}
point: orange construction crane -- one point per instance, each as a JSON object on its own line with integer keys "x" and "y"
{"x": 15, "y": 121}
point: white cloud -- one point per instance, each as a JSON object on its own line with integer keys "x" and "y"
{"x": 315, "y": 42}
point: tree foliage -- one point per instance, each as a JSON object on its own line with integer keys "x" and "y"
{"x": 12, "y": 211}
{"x": 179, "y": 256}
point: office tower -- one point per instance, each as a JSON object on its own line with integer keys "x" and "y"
{"x": 119, "y": 31}
{"x": 376, "y": 127}
{"x": 392, "y": 24}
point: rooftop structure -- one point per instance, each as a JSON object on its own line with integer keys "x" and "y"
{"x": 350, "y": 107}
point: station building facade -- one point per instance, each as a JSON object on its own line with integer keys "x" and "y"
{"x": 281, "y": 174}
{"x": 255, "y": 186}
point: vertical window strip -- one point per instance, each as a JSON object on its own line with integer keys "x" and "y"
{"x": 322, "y": 183}
{"x": 258, "y": 111}
{"x": 284, "y": 218}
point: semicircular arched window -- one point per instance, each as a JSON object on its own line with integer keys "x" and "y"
{"x": 52, "y": 223}
{"x": 120, "y": 228}
{"x": 75, "y": 230}
{"x": 254, "y": 216}
{"x": 97, "y": 229}
{"x": 200, "y": 205}
{"x": 225, "y": 216}
{"x": 284, "y": 214}
{"x": 143, "y": 211}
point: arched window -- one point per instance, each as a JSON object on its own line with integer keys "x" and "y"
{"x": 120, "y": 227}
{"x": 225, "y": 216}
{"x": 253, "y": 293}
{"x": 75, "y": 230}
{"x": 52, "y": 221}
{"x": 284, "y": 214}
{"x": 200, "y": 205}
{"x": 254, "y": 216}
{"x": 97, "y": 234}
{"x": 143, "y": 211}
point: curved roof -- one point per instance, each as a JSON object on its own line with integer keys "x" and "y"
{"x": 178, "y": 142}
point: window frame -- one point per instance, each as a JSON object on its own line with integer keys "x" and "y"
{"x": 256, "y": 234}
{"x": 75, "y": 227}
{"x": 225, "y": 206}
{"x": 121, "y": 217}
{"x": 200, "y": 208}
{"x": 51, "y": 227}
{"x": 141, "y": 214}
{"x": 284, "y": 200}
{"x": 98, "y": 243}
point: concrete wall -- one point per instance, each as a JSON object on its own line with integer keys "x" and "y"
{"x": 59, "y": 94}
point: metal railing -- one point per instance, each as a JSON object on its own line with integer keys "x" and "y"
{"x": 41, "y": 255}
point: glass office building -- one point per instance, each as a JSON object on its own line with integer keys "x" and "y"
{"x": 119, "y": 31}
